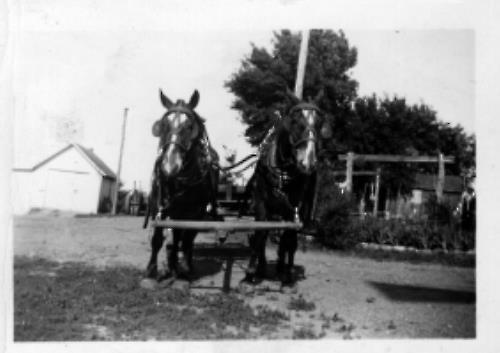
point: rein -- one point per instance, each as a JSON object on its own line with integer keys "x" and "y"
{"x": 240, "y": 162}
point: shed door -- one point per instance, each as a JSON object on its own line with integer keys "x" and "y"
{"x": 64, "y": 190}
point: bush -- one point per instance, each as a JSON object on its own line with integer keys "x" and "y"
{"x": 333, "y": 211}
{"x": 300, "y": 304}
{"x": 339, "y": 229}
{"x": 418, "y": 233}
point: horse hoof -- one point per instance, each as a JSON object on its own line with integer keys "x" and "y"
{"x": 151, "y": 273}
{"x": 181, "y": 285}
{"x": 287, "y": 280}
{"x": 167, "y": 274}
{"x": 289, "y": 288}
{"x": 246, "y": 287}
{"x": 148, "y": 283}
{"x": 280, "y": 269}
{"x": 250, "y": 277}
{"x": 261, "y": 272}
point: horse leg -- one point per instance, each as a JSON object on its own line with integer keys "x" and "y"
{"x": 187, "y": 250}
{"x": 251, "y": 269}
{"x": 291, "y": 249}
{"x": 262, "y": 262}
{"x": 280, "y": 266}
{"x": 156, "y": 244}
{"x": 286, "y": 253}
{"x": 172, "y": 252}
{"x": 257, "y": 247}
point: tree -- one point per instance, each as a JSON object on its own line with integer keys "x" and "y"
{"x": 261, "y": 83}
{"x": 391, "y": 126}
{"x": 369, "y": 125}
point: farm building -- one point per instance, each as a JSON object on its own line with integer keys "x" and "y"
{"x": 423, "y": 189}
{"x": 72, "y": 179}
{"x": 425, "y": 186}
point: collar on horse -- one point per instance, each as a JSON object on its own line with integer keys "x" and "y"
{"x": 304, "y": 106}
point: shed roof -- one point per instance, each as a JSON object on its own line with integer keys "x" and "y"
{"x": 427, "y": 182}
{"x": 87, "y": 153}
{"x": 98, "y": 163}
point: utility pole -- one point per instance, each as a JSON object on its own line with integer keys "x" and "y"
{"x": 118, "y": 172}
{"x": 301, "y": 66}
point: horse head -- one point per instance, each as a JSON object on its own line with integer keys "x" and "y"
{"x": 303, "y": 124}
{"x": 178, "y": 130}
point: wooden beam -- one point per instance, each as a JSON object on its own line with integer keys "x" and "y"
{"x": 225, "y": 226}
{"x": 394, "y": 158}
{"x": 355, "y": 173}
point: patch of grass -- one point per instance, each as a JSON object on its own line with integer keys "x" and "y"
{"x": 300, "y": 304}
{"x": 304, "y": 333}
{"x": 62, "y": 307}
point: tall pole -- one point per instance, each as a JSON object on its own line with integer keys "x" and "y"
{"x": 118, "y": 172}
{"x": 301, "y": 66}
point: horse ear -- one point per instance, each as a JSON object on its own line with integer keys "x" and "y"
{"x": 326, "y": 130}
{"x": 196, "y": 131}
{"x": 157, "y": 128}
{"x": 195, "y": 98}
{"x": 167, "y": 103}
{"x": 319, "y": 96}
{"x": 292, "y": 96}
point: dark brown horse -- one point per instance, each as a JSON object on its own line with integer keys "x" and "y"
{"x": 184, "y": 181}
{"x": 283, "y": 183}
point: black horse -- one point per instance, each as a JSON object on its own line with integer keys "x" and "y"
{"x": 283, "y": 183}
{"x": 184, "y": 182}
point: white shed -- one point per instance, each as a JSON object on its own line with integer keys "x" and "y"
{"x": 73, "y": 179}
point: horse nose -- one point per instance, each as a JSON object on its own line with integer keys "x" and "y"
{"x": 172, "y": 162}
{"x": 309, "y": 160}
{"x": 170, "y": 168}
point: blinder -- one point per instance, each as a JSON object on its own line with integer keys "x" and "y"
{"x": 325, "y": 131}
{"x": 162, "y": 128}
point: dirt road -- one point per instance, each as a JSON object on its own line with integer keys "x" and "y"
{"x": 363, "y": 298}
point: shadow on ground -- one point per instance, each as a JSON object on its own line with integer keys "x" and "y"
{"x": 407, "y": 293}
{"x": 206, "y": 267}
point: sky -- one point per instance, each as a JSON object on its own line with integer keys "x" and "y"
{"x": 86, "y": 75}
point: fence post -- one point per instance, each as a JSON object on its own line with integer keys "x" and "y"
{"x": 377, "y": 189}
{"x": 440, "y": 178}
{"x": 348, "y": 173}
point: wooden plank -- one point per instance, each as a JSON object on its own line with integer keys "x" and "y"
{"x": 393, "y": 158}
{"x": 356, "y": 172}
{"x": 234, "y": 250}
{"x": 225, "y": 226}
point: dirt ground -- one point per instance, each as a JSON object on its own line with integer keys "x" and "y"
{"x": 361, "y": 297}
